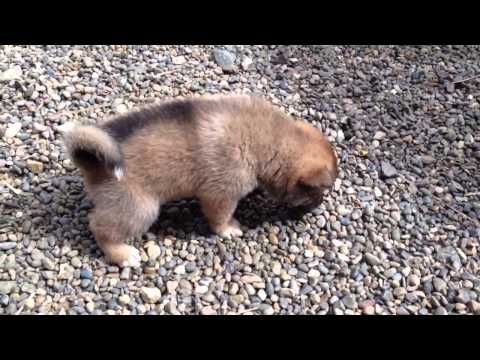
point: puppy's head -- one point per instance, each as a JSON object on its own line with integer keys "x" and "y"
{"x": 313, "y": 171}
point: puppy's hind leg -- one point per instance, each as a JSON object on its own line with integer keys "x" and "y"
{"x": 113, "y": 226}
{"x": 219, "y": 213}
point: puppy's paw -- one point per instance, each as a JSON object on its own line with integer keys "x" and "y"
{"x": 231, "y": 230}
{"x": 123, "y": 255}
{"x": 134, "y": 259}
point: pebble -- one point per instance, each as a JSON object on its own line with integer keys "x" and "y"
{"x": 8, "y": 245}
{"x": 150, "y": 295}
{"x": 208, "y": 310}
{"x": 14, "y": 73}
{"x": 268, "y": 310}
{"x": 12, "y": 130}
{"x": 6, "y": 287}
{"x": 124, "y": 299}
{"x": 76, "y": 262}
{"x": 439, "y": 284}
{"x": 388, "y": 170}
{"x": 372, "y": 259}
{"x": 224, "y": 59}
{"x": 349, "y": 301}
{"x": 178, "y": 60}
{"x": 314, "y": 274}
{"x": 153, "y": 252}
{"x": 180, "y": 270}
{"x": 246, "y": 62}
{"x": 171, "y": 286}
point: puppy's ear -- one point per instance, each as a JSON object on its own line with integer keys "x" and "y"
{"x": 309, "y": 181}
{"x": 320, "y": 178}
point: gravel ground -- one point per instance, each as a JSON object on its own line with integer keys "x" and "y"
{"x": 398, "y": 235}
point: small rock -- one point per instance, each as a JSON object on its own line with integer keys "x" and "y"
{"x": 262, "y": 294}
{"x": 368, "y": 310}
{"x": 14, "y": 73}
{"x": 246, "y": 62}
{"x": 178, "y": 60}
{"x": 29, "y": 303}
{"x": 439, "y": 284}
{"x": 35, "y": 166}
{"x": 308, "y": 254}
{"x": 153, "y": 252}
{"x": 356, "y": 214}
{"x": 4, "y": 300}
{"x": 314, "y": 274}
{"x": 379, "y": 135}
{"x": 441, "y": 311}
{"x": 276, "y": 268}
{"x": 413, "y": 281}
{"x": 90, "y": 307}
{"x": 372, "y": 259}
{"x": 9, "y": 245}
{"x": 150, "y": 295}
{"x": 48, "y": 264}
{"x": 124, "y": 299}
{"x": 180, "y": 270}
{"x": 332, "y": 116}
{"x": 88, "y": 62}
{"x": 251, "y": 278}
{"x": 388, "y": 170}
{"x": 172, "y": 286}
{"x": 208, "y": 310}
{"x": 39, "y": 127}
{"x": 12, "y": 130}
{"x": 66, "y": 272}
{"x": 463, "y": 296}
{"x": 343, "y": 211}
{"x": 201, "y": 290}
{"x": 268, "y": 310}
{"x": 125, "y": 274}
{"x": 86, "y": 274}
{"x": 6, "y": 287}
{"x": 474, "y": 307}
{"x": 350, "y": 302}
{"x": 224, "y": 59}
{"x": 76, "y": 262}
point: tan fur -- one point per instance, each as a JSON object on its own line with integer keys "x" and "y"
{"x": 231, "y": 145}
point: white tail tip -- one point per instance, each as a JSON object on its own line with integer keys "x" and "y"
{"x": 118, "y": 172}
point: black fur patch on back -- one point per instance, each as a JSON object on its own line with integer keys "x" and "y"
{"x": 124, "y": 126}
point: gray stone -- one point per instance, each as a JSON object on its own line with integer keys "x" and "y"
{"x": 388, "y": 170}
{"x": 372, "y": 259}
{"x": 350, "y": 302}
{"x": 224, "y": 59}
{"x": 6, "y": 287}
{"x": 8, "y": 245}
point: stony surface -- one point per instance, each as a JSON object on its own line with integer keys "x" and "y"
{"x": 398, "y": 234}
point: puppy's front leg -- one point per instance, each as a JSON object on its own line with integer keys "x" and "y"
{"x": 219, "y": 213}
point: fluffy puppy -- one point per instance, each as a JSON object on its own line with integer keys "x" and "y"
{"x": 216, "y": 149}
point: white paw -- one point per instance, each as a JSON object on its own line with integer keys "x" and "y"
{"x": 134, "y": 259}
{"x": 232, "y": 230}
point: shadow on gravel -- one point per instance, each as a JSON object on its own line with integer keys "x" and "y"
{"x": 61, "y": 212}
{"x": 186, "y": 218}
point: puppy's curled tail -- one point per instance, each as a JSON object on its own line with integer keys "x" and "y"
{"x": 93, "y": 150}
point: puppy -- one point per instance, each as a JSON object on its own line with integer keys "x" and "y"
{"x": 216, "y": 149}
